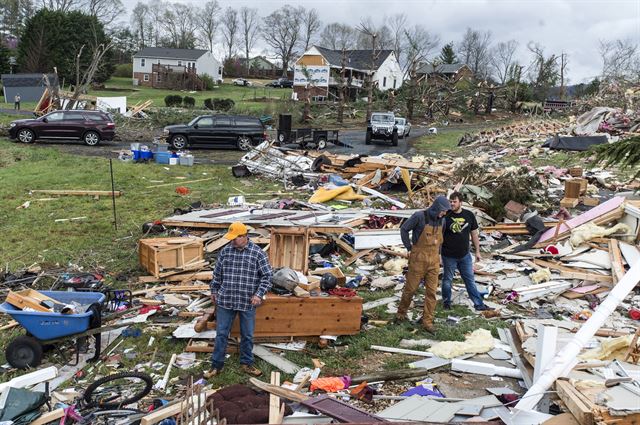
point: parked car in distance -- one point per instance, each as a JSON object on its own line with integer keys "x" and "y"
{"x": 238, "y": 131}
{"x": 242, "y": 82}
{"x": 404, "y": 127}
{"x": 88, "y": 126}
{"x": 281, "y": 82}
{"x": 382, "y": 126}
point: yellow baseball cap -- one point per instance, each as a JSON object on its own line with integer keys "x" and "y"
{"x": 236, "y": 229}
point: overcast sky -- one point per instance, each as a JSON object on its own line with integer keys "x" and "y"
{"x": 570, "y": 26}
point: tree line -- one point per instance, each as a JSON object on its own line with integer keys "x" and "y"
{"x": 285, "y": 33}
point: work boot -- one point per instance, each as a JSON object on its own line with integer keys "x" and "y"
{"x": 483, "y": 307}
{"x": 250, "y": 370}
{"x": 429, "y": 328}
{"x": 399, "y": 319}
{"x": 212, "y": 373}
{"x": 446, "y": 306}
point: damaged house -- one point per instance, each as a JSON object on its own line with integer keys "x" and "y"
{"x": 320, "y": 68}
{"x": 160, "y": 67}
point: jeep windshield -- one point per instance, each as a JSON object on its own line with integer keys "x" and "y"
{"x": 386, "y": 119}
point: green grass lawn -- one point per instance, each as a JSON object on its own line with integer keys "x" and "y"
{"x": 444, "y": 142}
{"x": 32, "y": 235}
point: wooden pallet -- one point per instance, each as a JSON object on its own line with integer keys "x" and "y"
{"x": 289, "y": 247}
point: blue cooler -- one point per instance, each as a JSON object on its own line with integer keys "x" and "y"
{"x": 162, "y": 157}
{"x": 136, "y": 155}
{"x": 146, "y": 155}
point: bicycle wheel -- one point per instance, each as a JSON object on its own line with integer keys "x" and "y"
{"x": 115, "y": 391}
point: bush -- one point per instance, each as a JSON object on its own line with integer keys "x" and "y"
{"x": 124, "y": 70}
{"x": 219, "y": 104}
{"x": 189, "y": 102}
{"x": 173, "y": 100}
{"x": 208, "y": 81}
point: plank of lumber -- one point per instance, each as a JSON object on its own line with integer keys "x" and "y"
{"x": 184, "y": 277}
{"x": 357, "y": 255}
{"x": 277, "y": 390}
{"x": 577, "y": 404}
{"x": 344, "y": 245}
{"x": 617, "y": 266}
{"x": 12, "y": 324}
{"x": 574, "y": 273}
{"x": 173, "y": 409}
{"x": 79, "y": 192}
{"x": 48, "y": 417}
{"x": 397, "y": 254}
{"x": 274, "y": 400}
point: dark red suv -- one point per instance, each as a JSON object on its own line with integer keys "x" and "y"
{"x": 89, "y": 126}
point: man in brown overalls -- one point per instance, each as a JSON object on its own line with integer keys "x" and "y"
{"x": 424, "y": 258}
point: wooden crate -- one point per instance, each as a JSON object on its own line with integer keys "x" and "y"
{"x": 161, "y": 254}
{"x": 576, "y": 172}
{"x": 289, "y": 247}
{"x": 313, "y": 316}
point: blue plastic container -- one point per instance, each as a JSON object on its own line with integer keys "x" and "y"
{"x": 162, "y": 157}
{"x": 136, "y": 155}
{"x": 146, "y": 155}
{"x": 45, "y": 326}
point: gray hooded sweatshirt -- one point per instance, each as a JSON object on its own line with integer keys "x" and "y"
{"x": 419, "y": 220}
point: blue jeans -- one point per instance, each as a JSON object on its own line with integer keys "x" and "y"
{"x": 224, "y": 320}
{"x": 465, "y": 265}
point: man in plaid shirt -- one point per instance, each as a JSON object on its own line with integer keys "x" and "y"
{"x": 241, "y": 278}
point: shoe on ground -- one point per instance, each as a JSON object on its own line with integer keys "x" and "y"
{"x": 430, "y": 329}
{"x": 446, "y": 306}
{"x": 399, "y": 320}
{"x": 250, "y": 370}
{"x": 211, "y": 373}
{"x": 483, "y": 307}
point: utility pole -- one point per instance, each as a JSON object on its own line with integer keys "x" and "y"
{"x": 371, "y": 72}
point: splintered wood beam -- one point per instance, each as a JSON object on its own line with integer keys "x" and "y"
{"x": 574, "y": 273}
{"x": 274, "y": 400}
{"x": 79, "y": 192}
{"x": 617, "y": 265}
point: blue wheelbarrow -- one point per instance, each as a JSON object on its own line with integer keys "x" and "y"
{"x": 49, "y": 328}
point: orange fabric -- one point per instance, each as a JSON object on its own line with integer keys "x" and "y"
{"x": 329, "y": 385}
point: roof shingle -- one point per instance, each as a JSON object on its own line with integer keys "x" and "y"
{"x": 357, "y": 59}
{"x": 166, "y": 53}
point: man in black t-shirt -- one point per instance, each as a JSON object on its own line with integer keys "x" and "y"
{"x": 460, "y": 224}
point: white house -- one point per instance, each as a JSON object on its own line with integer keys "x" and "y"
{"x": 152, "y": 65}
{"x": 318, "y": 70}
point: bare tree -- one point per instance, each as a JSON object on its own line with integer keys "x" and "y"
{"x": 13, "y": 14}
{"x": 419, "y": 44}
{"x": 281, "y": 31}
{"x": 249, "y": 27}
{"x": 157, "y": 14}
{"x": 139, "y": 22}
{"x": 543, "y": 71}
{"x": 367, "y": 29}
{"x": 61, "y": 5}
{"x": 384, "y": 38}
{"x": 310, "y": 25}
{"x": 620, "y": 59}
{"x": 207, "y": 23}
{"x": 180, "y": 26}
{"x": 338, "y": 36}
{"x": 474, "y": 51}
{"x": 397, "y": 25}
{"x": 107, "y": 11}
{"x": 502, "y": 59}
{"x": 563, "y": 69}
{"x": 82, "y": 83}
{"x": 230, "y": 31}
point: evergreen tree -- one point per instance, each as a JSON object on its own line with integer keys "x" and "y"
{"x": 447, "y": 54}
{"x": 5, "y": 68}
{"x": 54, "y": 38}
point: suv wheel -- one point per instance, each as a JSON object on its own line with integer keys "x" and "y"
{"x": 178, "y": 141}
{"x": 26, "y": 136}
{"x": 244, "y": 143}
{"x": 91, "y": 138}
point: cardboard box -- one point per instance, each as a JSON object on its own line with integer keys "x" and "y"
{"x": 342, "y": 279}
